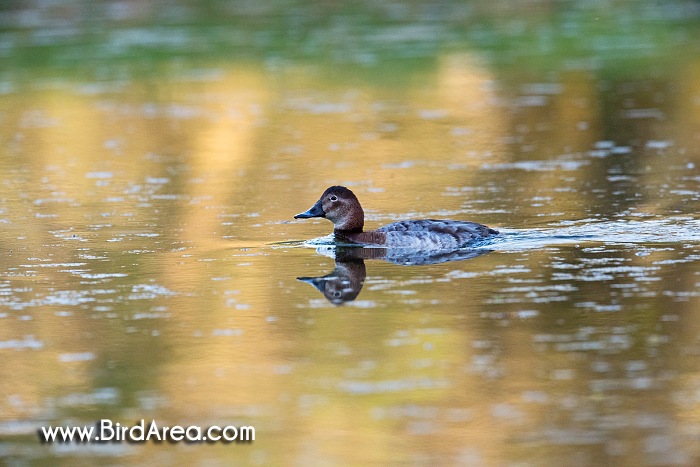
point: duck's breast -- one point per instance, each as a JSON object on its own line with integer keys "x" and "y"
{"x": 432, "y": 233}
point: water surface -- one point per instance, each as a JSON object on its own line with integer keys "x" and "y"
{"x": 151, "y": 164}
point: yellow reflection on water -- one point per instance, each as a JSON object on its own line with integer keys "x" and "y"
{"x": 140, "y": 230}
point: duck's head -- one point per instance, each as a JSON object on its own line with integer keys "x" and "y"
{"x": 340, "y": 206}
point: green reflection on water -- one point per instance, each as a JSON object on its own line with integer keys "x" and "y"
{"x": 368, "y": 40}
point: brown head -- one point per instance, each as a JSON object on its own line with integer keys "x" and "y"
{"x": 340, "y": 206}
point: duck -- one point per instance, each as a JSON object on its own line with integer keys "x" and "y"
{"x": 339, "y": 205}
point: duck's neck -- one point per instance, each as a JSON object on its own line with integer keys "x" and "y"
{"x": 358, "y": 236}
{"x": 351, "y": 222}
{"x": 347, "y": 233}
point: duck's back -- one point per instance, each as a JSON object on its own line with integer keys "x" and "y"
{"x": 433, "y": 233}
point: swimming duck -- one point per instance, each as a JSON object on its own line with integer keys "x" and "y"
{"x": 340, "y": 205}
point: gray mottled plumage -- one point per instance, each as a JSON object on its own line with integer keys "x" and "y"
{"x": 445, "y": 234}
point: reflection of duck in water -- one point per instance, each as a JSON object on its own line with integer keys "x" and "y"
{"x": 340, "y": 206}
{"x": 344, "y": 283}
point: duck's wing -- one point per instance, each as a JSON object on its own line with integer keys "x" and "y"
{"x": 461, "y": 231}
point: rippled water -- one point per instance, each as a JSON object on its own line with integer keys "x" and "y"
{"x": 152, "y": 162}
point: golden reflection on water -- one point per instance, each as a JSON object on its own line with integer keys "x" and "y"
{"x": 138, "y": 229}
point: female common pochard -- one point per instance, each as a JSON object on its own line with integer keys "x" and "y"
{"x": 340, "y": 206}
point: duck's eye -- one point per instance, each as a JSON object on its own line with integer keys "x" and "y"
{"x": 337, "y": 294}
{"x": 334, "y": 198}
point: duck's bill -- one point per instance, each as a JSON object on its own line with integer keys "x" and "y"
{"x": 315, "y": 281}
{"x": 315, "y": 211}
